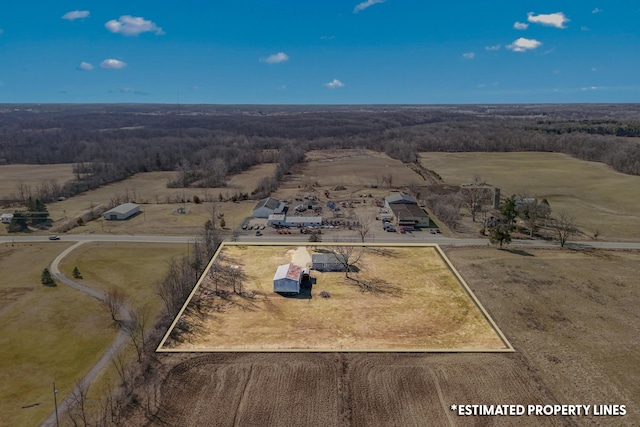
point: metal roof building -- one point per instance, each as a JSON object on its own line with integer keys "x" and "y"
{"x": 287, "y": 279}
{"x": 268, "y": 206}
{"x": 121, "y": 212}
{"x": 327, "y": 262}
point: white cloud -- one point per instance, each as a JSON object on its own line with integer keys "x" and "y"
{"x": 134, "y": 91}
{"x": 282, "y": 87}
{"x": 327, "y": 37}
{"x": 585, "y": 89}
{"x": 132, "y": 26}
{"x": 75, "y": 14}
{"x": 520, "y": 25}
{"x": 523, "y": 45}
{"x": 594, "y": 69}
{"x": 557, "y": 19}
{"x": 334, "y": 84}
{"x": 113, "y": 64}
{"x": 596, "y": 10}
{"x": 85, "y": 66}
{"x": 366, "y": 4}
{"x": 584, "y": 28}
{"x": 495, "y": 47}
{"x": 276, "y": 58}
{"x": 468, "y": 55}
{"x": 1, "y": 31}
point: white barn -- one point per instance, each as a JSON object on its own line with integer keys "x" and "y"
{"x": 287, "y": 279}
{"x": 121, "y": 212}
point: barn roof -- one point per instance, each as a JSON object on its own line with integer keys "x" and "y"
{"x": 269, "y": 203}
{"x": 288, "y": 271}
{"x": 123, "y": 208}
{"x": 400, "y": 198}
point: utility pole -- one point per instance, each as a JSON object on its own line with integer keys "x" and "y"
{"x": 55, "y": 402}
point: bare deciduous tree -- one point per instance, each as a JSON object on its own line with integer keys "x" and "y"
{"x": 113, "y": 302}
{"x": 348, "y": 255}
{"x": 363, "y": 225}
{"x": 564, "y": 226}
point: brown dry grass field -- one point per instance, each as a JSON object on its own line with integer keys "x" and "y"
{"x": 600, "y": 198}
{"x": 163, "y": 220}
{"x": 357, "y": 170}
{"x": 432, "y": 312}
{"x": 160, "y": 203}
{"x": 32, "y": 175}
{"x": 571, "y": 316}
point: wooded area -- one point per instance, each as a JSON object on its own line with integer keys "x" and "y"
{"x": 204, "y": 143}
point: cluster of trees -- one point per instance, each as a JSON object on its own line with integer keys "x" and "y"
{"x": 533, "y": 214}
{"x": 204, "y": 144}
{"x": 36, "y": 215}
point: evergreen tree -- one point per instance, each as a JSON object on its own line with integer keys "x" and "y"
{"x": 76, "y": 273}
{"x": 46, "y": 278}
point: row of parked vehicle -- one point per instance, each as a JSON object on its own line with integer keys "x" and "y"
{"x": 253, "y": 227}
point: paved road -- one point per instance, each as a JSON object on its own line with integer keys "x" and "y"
{"x": 380, "y": 238}
{"x": 124, "y": 314}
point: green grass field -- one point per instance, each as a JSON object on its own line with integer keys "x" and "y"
{"x": 56, "y": 334}
{"x": 600, "y": 198}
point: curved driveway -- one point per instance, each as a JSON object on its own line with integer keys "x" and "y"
{"x": 121, "y": 338}
{"x": 115, "y": 346}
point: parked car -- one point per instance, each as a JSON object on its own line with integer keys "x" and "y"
{"x": 391, "y": 229}
{"x": 54, "y": 237}
{"x": 258, "y": 233}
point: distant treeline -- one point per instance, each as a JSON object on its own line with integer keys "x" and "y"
{"x": 205, "y": 143}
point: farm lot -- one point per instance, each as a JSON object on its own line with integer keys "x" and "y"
{"x": 377, "y": 308}
{"x": 600, "y": 198}
{"x": 571, "y": 316}
{"x": 357, "y": 170}
{"x": 160, "y": 204}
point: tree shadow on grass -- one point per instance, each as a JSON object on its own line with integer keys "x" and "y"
{"x": 518, "y": 252}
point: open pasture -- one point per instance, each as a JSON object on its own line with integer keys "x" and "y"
{"x": 31, "y": 176}
{"x": 431, "y": 311}
{"x": 355, "y": 168}
{"x": 160, "y": 203}
{"x": 48, "y": 334}
{"x": 600, "y": 198}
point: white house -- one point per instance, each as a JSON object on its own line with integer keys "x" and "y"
{"x": 287, "y": 279}
{"x": 327, "y": 262}
{"x": 121, "y": 212}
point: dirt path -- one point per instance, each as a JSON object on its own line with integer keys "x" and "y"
{"x": 301, "y": 257}
{"x": 120, "y": 340}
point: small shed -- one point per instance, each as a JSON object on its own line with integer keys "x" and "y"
{"x": 6, "y": 218}
{"x": 327, "y": 262}
{"x": 287, "y": 279}
{"x": 121, "y": 212}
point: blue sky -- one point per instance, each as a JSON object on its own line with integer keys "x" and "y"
{"x": 320, "y": 51}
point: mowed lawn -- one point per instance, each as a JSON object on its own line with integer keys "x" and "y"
{"x": 600, "y": 198}
{"x": 48, "y": 334}
{"x": 57, "y": 334}
{"x": 421, "y": 307}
